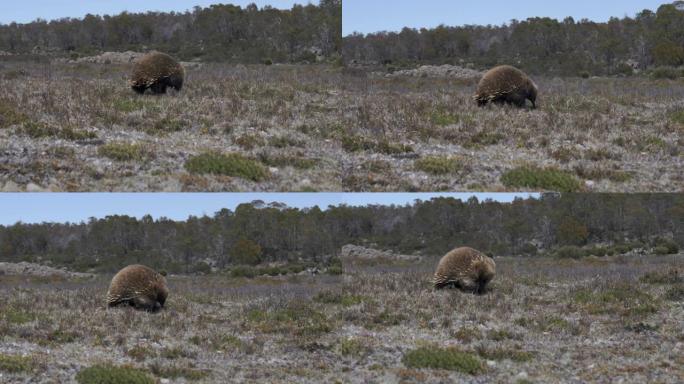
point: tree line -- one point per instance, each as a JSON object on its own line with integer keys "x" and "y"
{"x": 221, "y": 32}
{"x": 254, "y": 234}
{"x": 538, "y": 45}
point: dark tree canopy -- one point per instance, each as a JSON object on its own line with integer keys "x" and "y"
{"x": 222, "y": 32}
{"x": 538, "y": 45}
{"x": 255, "y": 233}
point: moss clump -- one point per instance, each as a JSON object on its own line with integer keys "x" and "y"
{"x": 537, "y": 178}
{"x": 439, "y": 165}
{"x": 443, "y": 358}
{"x": 122, "y": 151}
{"x": 16, "y": 364}
{"x": 109, "y": 374}
{"x": 231, "y": 164}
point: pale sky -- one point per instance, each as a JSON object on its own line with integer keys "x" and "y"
{"x": 29, "y": 10}
{"x": 77, "y": 207}
{"x": 368, "y": 16}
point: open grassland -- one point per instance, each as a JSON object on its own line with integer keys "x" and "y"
{"x": 611, "y": 319}
{"x": 78, "y": 127}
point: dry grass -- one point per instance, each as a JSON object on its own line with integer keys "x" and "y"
{"x": 327, "y": 129}
{"x": 603, "y": 319}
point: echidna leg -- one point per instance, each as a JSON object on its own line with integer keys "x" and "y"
{"x": 139, "y": 89}
{"x": 142, "y": 302}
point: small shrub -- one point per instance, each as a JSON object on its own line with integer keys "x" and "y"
{"x": 352, "y": 347}
{"x": 443, "y": 358}
{"x": 231, "y": 164}
{"x": 16, "y": 364}
{"x": 123, "y": 151}
{"x": 439, "y": 165}
{"x": 109, "y": 374}
{"x": 537, "y": 178}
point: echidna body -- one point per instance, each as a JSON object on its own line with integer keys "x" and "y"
{"x": 157, "y": 71}
{"x": 465, "y": 268}
{"x": 138, "y": 286}
{"x": 506, "y": 84}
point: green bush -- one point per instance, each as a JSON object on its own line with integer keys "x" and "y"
{"x": 109, "y": 374}
{"x": 231, "y": 164}
{"x": 665, "y": 73}
{"x": 536, "y": 178}
{"x": 666, "y": 247}
{"x": 443, "y": 358}
{"x": 246, "y": 252}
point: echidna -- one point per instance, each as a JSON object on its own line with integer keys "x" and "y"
{"x": 506, "y": 84}
{"x": 157, "y": 71}
{"x": 466, "y": 269}
{"x": 138, "y": 286}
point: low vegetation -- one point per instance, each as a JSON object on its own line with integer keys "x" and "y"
{"x": 382, "y": 319}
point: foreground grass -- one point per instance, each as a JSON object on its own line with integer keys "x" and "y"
{"x": 328, "y": 129}
{"x": 381, "y": 320}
